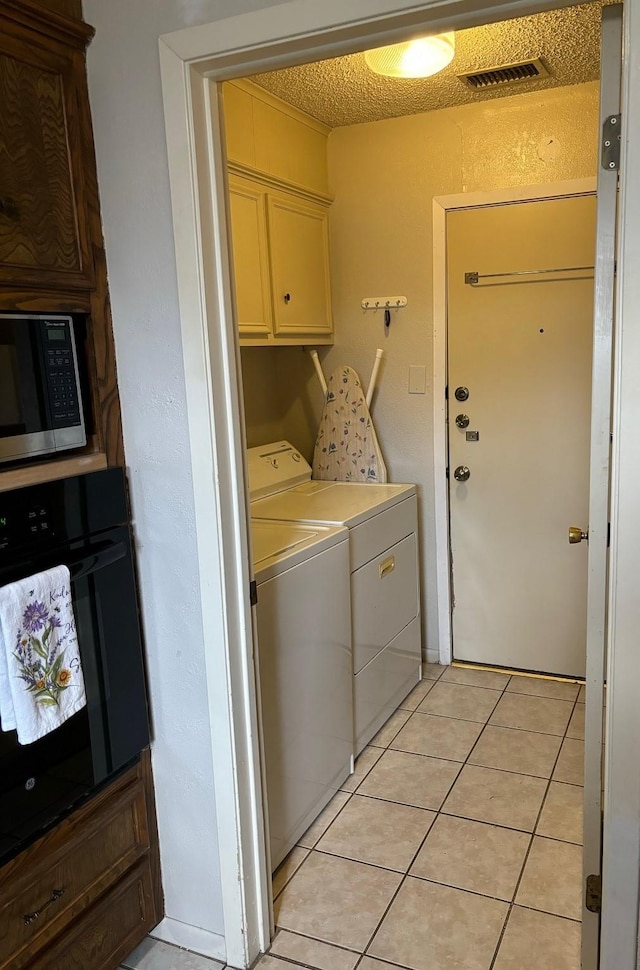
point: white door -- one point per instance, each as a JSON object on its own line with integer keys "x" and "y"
{"x": 520, "y": 323}
{"x": 597, "y": 524}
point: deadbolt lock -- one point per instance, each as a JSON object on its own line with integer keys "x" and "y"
{"x": 461, "y": 393}
{"x": 462, "y": 474}
{"x": 462, "y": 421}
{"x": 577, "y": 535}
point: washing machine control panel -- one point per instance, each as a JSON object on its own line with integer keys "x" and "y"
{"x": 274, "y": 468}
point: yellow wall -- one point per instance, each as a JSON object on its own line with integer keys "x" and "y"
{"x": 282, "y": 397}
{"x": 384, "y": 176}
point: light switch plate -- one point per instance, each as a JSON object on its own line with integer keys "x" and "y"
{"x": 417, "y": 379}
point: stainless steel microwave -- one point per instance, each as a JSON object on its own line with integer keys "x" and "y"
{"x": 40, "y": 396}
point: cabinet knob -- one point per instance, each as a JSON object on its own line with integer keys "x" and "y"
{"x": 287, "y": 298}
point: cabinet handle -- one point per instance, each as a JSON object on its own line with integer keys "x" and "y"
{"x": 9, "y": 207}
{"x": 287, "y": 298}
{"x": 387, "y": 566}
{"x": 30, "y": 917}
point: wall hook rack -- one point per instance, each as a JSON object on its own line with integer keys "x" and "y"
{"x": 383, "y": 302}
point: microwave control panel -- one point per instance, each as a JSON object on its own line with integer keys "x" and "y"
{"x": 61, "y": 373}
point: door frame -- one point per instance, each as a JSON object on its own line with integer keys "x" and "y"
{"x": 441, "y": 205}
{"x": 265, "y": 39}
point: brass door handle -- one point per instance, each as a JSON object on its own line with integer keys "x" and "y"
{"x": 577, "y": 535}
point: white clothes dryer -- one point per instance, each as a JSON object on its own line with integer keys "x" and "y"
{"x": 384, "y": 577}
{"x": 304, "y": 669}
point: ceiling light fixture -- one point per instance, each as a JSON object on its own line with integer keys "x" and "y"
{"x": 420, "y": 57}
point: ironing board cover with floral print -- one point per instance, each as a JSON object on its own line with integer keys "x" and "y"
{"x": 347, "y": 448}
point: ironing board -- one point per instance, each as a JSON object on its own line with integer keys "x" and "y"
{"x": 347, "y": 448}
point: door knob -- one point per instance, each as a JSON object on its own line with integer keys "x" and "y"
{"x": 462, "y": 421}
{"x": 461, "y": 393}
{"x": 462, "y": 474}
{"x": 577, "y": 535}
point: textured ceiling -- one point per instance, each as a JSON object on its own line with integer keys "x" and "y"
{"x": 343, "y": 91}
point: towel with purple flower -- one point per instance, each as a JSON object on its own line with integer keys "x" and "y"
{"x": 41, "y": 682}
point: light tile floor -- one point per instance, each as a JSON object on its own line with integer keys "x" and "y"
{"x": 456, "y": 845}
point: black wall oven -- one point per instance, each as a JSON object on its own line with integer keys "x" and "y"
{"x": 80, "y": 522}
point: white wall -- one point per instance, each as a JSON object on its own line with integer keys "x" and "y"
{"x": 282, "y": 397}
{"x": 126, "y": 101}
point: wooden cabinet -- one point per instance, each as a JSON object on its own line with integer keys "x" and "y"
{"x": 279, "y": 211}
{"x": 248, "y": 204}
{"x": 85, "y": 894}
{"x": 51, "y": 248}
{"x": 44, "y": 233}
{"x": 281, "y": 265}
{"x": 299, "y": 250}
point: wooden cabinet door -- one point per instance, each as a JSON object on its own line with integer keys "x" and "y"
{"x": 299, "y": 248}
{"x": 250, "y": 257}
{"x": 44, "y": 239}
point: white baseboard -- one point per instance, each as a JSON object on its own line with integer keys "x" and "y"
{"x": 191, "y": 938}
{"x": 433, "y": 656}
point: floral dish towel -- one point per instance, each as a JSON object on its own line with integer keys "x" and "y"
{"x": 41, "y": 682}
{"x": 347, "y": 448}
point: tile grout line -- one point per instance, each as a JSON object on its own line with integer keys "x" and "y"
{"x": 406, "y": 874}
{"x": 419, "y": 849}
{"x": 533, "y": 836}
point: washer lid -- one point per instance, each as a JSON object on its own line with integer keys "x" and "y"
{"x": 335, "y": 503}
{"x": 281, "y": 545}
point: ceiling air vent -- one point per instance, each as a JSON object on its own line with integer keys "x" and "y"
{"x": 507, "y": 74}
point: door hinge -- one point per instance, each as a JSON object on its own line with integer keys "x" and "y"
{"x": 611, "y": 142}
{"x": 593, "y": 897}
{"x": 253, "y": 593}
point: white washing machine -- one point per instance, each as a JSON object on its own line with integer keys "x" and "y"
{"x": 384, "y": 575}
{"x": 304, "y": 668}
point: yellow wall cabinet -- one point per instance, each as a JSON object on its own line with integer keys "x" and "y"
{"x": 279, "y": 213}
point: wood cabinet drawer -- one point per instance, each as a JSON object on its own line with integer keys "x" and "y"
{"x": 109, "y": 931}
{"x": 38, "y": 904}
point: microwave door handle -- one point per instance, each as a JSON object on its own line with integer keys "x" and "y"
{"x": 97, "y": 560}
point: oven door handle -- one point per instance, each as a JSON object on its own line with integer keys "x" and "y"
{"x": 104, "y": 556}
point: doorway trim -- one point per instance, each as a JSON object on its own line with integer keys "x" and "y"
{"x": 277, "y": 36}
{"x": 441, "y": 205}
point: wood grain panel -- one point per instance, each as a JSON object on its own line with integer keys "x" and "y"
{"x": 52, "y": 289}
{"x": 51, "y": 470}
{"x": 103, "y": 365}
{"x": 54, "y": 891}
{"x": 123, "y": 815}
{"x": 37, "y": 220}
{"x": 108, "y": 932}
{"x": 68, "y": 8}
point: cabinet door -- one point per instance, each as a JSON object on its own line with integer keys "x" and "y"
{"x": 250, "y": 257}
{"x": 44, "y": 238}
{"x": 299, "y": 247}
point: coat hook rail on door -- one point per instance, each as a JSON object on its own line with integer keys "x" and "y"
{"x": 474, "y": 278}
